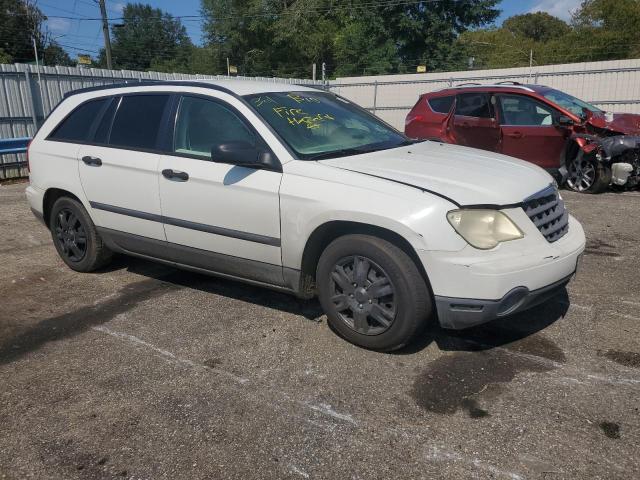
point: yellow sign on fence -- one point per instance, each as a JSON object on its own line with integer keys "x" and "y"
{"x": 422, "y": 69}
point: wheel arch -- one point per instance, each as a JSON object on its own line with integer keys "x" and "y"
{"x": 50, "y": 197}
{"x": 327, "y": 232}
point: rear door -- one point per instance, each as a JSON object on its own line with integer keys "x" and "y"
{"x": 227, "y": 216}
{"x": 529, "y": 130}
{"x": 474, "y": 124}
{"x": 119, "y": 169}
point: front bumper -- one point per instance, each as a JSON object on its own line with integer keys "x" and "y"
{"x": 459, "y": 313}
{"x": 475, "y": 286}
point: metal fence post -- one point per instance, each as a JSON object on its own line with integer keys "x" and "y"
{"x": 375, "y": 96}
{"x": 31, "y": 99}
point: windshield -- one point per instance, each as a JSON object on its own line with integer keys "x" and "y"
{"x": 320, "y": 125}
{"x": 573, "y": 104}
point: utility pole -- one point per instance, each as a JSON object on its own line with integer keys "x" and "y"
{"x": 313, "y": 72}
{"x": 228, "y": 68}
{"x": 105, "y": 31}
{"x": 324, "y": 72}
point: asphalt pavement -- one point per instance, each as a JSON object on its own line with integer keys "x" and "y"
{"x": 142, "y": 371}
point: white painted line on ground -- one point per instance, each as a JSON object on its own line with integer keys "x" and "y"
{"x": 326, "y": 409}
{"x": 440, "y": 455}
{"x": 168, "y": 355}
{"x": 298, "y": 471}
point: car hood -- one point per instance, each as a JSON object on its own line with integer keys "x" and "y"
{"x": 465, "y": 175}
{"x": 626, "y": 123}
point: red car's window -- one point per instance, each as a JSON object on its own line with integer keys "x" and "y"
{"x": 473, "y": 105}
{"x": 524, "y": 111}
{"x": 441, "y": 104}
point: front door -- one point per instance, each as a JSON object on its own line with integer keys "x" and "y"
{"x": 474, "y": 124}
{"x": 218, "y": 216}
{"x": 119, "y": 172}
{"x": 529, "y": 131}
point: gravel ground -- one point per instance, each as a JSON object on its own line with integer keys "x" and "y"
{"x": 142, "y": 371}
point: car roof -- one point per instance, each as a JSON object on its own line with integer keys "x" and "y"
{"x": 233, "y": 87}
{"x": 532, "y": 88}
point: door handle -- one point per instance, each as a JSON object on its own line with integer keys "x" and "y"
{"x": 92, "y": 161}
{"x": 175, "y": 175}
{"x": 515, "y": 135}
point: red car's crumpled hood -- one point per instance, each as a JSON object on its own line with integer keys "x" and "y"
{"x": 626, "y": 123}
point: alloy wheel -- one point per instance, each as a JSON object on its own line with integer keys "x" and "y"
{"x": 363, "y": 295}
{"x": 582, "y": 175}
{"x": 71, "y": 235}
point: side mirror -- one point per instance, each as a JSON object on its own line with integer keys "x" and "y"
{"x": 564, "y": 121}
{"x": 243, "y": 154}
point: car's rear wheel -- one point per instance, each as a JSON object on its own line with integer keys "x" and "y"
{"x": 372, "y": 292}
{"x": 75, "y": 236}
{"x": 586, "y": 175}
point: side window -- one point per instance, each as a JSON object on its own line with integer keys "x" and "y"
{"x": 203, "y": 123}
{"x": 76, "y": 127}
{"x": 137, "y": 121}
{"x": 524, "y": 111}
{"x": 441, "y": 104}
{"x": 473, "y": 105}
{"x": 104, "y": 127}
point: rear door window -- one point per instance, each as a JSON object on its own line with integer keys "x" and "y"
{"x": 137, "y": 121}
{"x": 77, "y": 126}
{"x": 103, "y": 129}
{"x": 473, "y": 105}
{"x": 441, "y": 104}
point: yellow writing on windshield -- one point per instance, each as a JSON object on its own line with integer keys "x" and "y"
{"x": 303, "y": 99}
{"x": 297, "y": 116}
{"x": 259, "y": 101}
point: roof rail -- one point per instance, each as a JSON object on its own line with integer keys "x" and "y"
{"x": 467, "y": 84}
{"x": 508, "y": 82}
{"x": 152, "y": 83}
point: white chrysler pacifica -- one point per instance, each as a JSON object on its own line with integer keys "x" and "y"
{"x": 300, "y": 190}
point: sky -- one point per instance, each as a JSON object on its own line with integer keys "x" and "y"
{"x": 78, "y": 34}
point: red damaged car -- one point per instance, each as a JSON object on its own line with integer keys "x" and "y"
{"x": 583, "y": 146}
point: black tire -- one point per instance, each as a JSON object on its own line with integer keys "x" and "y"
{"x": 585, "y": 174}
{"x": 75, "y": 236}
{"x": 405, "y": 304}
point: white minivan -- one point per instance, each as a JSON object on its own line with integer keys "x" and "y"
{"x": 300, "y": 190}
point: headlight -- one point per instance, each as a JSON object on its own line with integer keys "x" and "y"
{"x": 483, "y": 229}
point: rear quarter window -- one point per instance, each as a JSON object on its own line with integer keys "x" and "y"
{"x": 77, "y": 125}
{"x": 441, "y": 104}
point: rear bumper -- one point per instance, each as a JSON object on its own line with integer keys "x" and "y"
{"x": 459, "y": 313}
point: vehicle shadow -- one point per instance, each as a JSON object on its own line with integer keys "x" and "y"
{"x": 496, "y": 333}
{"x": 483, "y": 337}
{"x": 265, "y": 297}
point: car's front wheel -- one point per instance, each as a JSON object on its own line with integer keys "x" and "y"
{"x": 372, "y": 292}
{"x": 585, "y": 174}
{"x": 75, "y": 236}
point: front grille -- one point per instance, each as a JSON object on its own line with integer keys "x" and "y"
{"x": 546, "y": 211}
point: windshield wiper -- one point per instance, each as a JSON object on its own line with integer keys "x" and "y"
{"x": 363, "y": 149}
{"x": 340, "y": 153}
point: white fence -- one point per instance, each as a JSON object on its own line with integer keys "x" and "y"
{"x": 28, "y": 95}
{"x": 611, "y": 85}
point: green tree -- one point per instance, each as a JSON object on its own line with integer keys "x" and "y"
{"x": 20, "y": 22}
{"x": 148, "y": 38}
{"x": 54, "y": 54}
{"x": 539, "y": 26}
{"x": 284, "y": 37}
